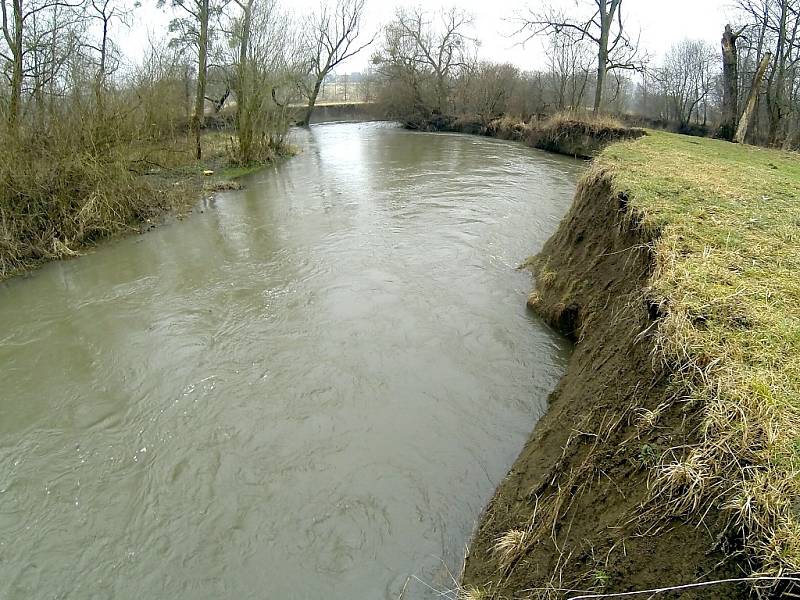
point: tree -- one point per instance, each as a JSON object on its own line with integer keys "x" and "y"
{"x": 569, "y": 63}
{"x": 747, "y": 115}
{"x": 774, "y": 26}
{"x": 194, "y": 29}
{"x": 730, "y": 84}
{"x": 264, "y": 62}
{"x": 331, "y": 37}
{"x": 443, "y": 51}
{"x": 105, "y": 12}
{"x": 686, "y": 79}
{"x": 425, "y": 53}
{"x": 603, "y": 26}
{"x": 17, "y": 19}
{"x": 484, "y": 90}
{"x": 13, "y": 24}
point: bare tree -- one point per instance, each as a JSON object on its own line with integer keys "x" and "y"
{"x": 730, "y": 83}
{"x": 193, "y": 28}
{"x": 17, "y": 20}
{"x": 747, "y": 115}
{"x": 13, "y": 24}
{"x": 265, "y": 61}
{"x": 484, "y": 90}
{"x": 105, "y": 12}
{"x": 331, "y": 37}
{"x": 774, "y": 26}
{"x": 685, "y": 79}
{"x": 444, "y": 50}
{"x": 604, "y": 26}
{"x": 569, "y": 64}
{"x": 426, "y": 52}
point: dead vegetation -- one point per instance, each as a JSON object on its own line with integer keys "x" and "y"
{"x": 582, "y": 135}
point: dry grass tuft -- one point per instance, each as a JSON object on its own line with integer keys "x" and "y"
{"x": 472, "y": 593}
{"x": 510, "y": 547}
{"x": 588, "y": 119}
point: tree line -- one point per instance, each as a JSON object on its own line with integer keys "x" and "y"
{"x": 428, "y": 64}
{"x": 85, "y": 131}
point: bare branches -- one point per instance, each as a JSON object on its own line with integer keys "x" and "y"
{"x": 685, "y": 80}
{"x": 602, "y": 24}
{"x": 421, "y": 43}
{"x": 333, "y": 35}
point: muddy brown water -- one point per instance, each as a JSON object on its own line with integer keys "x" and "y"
{"x": 308, "y": 390}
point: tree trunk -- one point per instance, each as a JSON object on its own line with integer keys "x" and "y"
{"x": 202, "y": 68}
{"x": 244, "y": 123}
{"x": 730, "y": 85}
{"x": 14, "y": 40}
{"x": 312, "y": 100}
{"x": 606, "y": 13}
{"x": 100, "y": 82}
{"x": 602, "y": 54}
{"x": 777, "y": 80}
{"x": 744, "y": 123}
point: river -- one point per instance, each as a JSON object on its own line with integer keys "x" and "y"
{"x": 308, "y": 389}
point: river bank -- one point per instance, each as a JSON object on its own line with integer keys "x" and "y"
{"x": 669, "y": 452}
{"x": 56, "y": 207}
{"x": 578, "y": 135}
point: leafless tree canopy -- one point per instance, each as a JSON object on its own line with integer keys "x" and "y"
{"x": 331, "y": 35}
{"x": 603, "y": 25}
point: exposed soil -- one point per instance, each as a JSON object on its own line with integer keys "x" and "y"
{"x": 580, "y": 488}
{"x": 572, "y": 137}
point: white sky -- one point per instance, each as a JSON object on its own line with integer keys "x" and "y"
{"x": 662, "y": 23}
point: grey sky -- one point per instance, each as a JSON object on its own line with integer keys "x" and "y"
{"x": 662, "y": 22}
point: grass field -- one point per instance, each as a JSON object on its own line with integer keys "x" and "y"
{"x": 726, "y": 223}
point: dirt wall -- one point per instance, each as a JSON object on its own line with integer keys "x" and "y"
{"x": 575, "y": 512}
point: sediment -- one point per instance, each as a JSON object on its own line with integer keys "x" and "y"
{"x": 576, "y": 512}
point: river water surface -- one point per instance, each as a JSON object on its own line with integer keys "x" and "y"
{"x": 308, "y": 390}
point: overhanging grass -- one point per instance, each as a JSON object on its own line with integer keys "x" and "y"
{"x": 725, "y": 220}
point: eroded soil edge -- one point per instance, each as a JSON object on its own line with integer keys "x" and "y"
{"x": 575, "y": 512}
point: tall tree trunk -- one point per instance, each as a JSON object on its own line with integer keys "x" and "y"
{"x": 776, "y": 88}
{"x": 607, "y": 12}
{"x": 202, "y": 71}
{"x": 730, "y": 84}
{"x": 747, "y": 115}
{"x": 244, "y": 122}
{"x": 602, "y": 54}
{"x": 100, "y": 82}
{"x": 14, "y": 40}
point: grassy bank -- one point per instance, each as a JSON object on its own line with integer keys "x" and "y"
{"x": 59, "y": 198}
{"x": 725, "y": 221}
{"x": 578, "y": 135}
{"x": 671, "y": 450}
{"x": 582, "y": 135}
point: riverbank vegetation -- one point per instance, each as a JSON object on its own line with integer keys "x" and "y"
{"x": 673, "y": 439}
{"x": 93, "y": 142}
{"x": 725, "y": 242}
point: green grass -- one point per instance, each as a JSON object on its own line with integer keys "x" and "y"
{"x": 725, "y": 225}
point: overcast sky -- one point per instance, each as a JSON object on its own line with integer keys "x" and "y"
{"x": 662, "y": 23}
